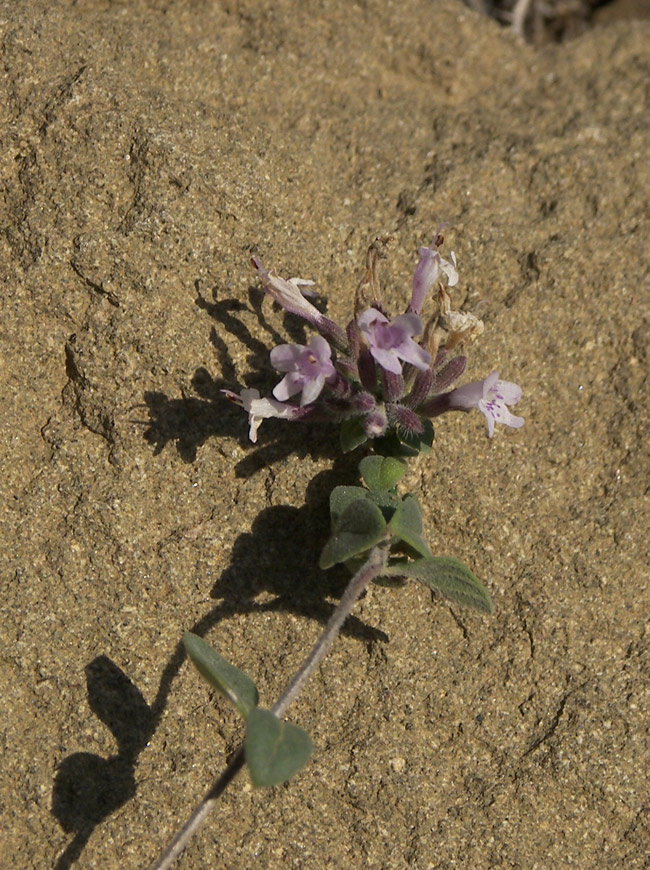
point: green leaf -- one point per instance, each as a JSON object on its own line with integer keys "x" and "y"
{"x": 447, "y": 577}
{"x": 399, "y": 444}
{"x": 274, "y": 750}
{"x": 343, "y": 496}
{"x": 359, "y": 527}
{"x": 387, "y": 502}
{"x": 382, "y": 472}
{"x": 352, "y": 434}
{"x": 226, "y": 678}
{"x": 406, "y": 525}
{"x": 390, "y": 445}
{"x": 421, "y": 442}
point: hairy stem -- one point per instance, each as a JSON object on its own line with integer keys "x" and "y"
{"x": 371, "y": 568}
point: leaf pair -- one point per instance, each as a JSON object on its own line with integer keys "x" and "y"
{"x": 364, "y": 517}
{"x": 357, "y": 526}
{"x": 274, "y": 750}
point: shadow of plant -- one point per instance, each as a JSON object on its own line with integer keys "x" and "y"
{"x": 190, "y": 421}
{"x": 89, "y": 788}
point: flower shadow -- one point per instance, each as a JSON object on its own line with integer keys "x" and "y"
{"x": 192, "y": 420}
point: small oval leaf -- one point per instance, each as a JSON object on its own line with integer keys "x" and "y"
{"x": 406, "y": 524}
{"x": 352, "y": 434}
{"x": 382, "y": 472}
{"x": 387, "y": 502}
{"x": 274, "y": 750}
{"x": 226, "y": 678}
{"x": 343, "y": 496}
{"x": 360, "y": 527}
{"x": 447, "y": 577}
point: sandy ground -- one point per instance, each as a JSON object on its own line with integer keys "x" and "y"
{"x": 147, "y": 149}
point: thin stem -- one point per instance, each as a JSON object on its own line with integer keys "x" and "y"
{"x": 519, "y": 15}
{"x": 370, "y": 569}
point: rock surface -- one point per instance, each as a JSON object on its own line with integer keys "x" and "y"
{"x": 147, "y": 150}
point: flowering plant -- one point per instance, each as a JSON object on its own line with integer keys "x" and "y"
{"x": 383, "y": 380}
{"x": 382, "y": 385}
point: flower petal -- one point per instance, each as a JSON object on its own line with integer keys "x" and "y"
{"x": 312, "y": 389}
{"x": 290, "y": 384}
{"x": 387, "y": 359}
{"x": 287, "y": 293}
{"x": 490, "y": 382}
{"x": 285, "y": 356}
{"x": 370, "y": 316}
{"x": 320, "y": 348}
{"x": 490, "y": 396}
{"x": 466, "y": 397}
{"x": 411, "y": 352}
{"x": 428, "y": 270}
{"x": 307, "y": 367}
{"x": 510, "y": 393}
{"x": 391, "y": 342}
{"x": 408, "y": 324}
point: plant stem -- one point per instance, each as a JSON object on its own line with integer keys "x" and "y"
{"x": 371, "y": 568}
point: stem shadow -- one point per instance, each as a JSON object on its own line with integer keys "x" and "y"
{"x": 89, "y": 788}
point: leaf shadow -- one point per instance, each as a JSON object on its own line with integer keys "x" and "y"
{"x": 89, "y": 788}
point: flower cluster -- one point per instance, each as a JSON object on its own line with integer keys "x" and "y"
{"x": 374, "y": 376}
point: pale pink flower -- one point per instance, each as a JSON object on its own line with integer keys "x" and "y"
{"x": 391, "y": 342}
{"x": 260, "y": 409}
{"x": 491, "y": 397}
{"x": 428, "y": 270}
{"x": 288, "y": 294}
{"x": 307, "y": 367}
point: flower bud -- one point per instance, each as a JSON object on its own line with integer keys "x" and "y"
{"x": 376, "y": 423}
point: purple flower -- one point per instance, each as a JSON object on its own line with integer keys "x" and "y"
{"x": 260, "y": 409}
{"x": 288, "y": 294}
{"x": 491, "y": 397}
{"x": 392, "y": 342}
{"x": 307, "y": 367}
{"x": 428, "y": 270}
